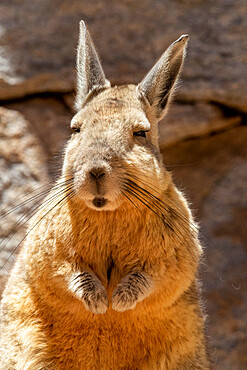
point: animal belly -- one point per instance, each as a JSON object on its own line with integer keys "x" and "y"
{"x": 110, "y": 341}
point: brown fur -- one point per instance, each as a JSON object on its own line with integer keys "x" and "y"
{"x": 115, "y": 287}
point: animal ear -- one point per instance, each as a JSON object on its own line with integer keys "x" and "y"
{"x": 90, "y": 75}
{"x": 159, "y": 83}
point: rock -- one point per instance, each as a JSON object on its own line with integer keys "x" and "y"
{"x": 49, "y": 121}
{"x": 23, "y": 171}
{"x": 39, "y": 39}
{"x": 213, "y": 173}
{"x": 185, "y": 121}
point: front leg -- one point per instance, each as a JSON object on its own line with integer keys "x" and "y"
{"x": 133, "y": 288}
{"x": 87, "y": 287}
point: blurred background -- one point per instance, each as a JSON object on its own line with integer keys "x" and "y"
{"x": 203, "y": 138}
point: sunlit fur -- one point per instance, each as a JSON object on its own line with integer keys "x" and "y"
{"x": 106, "y": 139}
{"x": 144, "y": 228}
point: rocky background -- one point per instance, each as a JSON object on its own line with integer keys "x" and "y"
{"x": 204, "y": 137}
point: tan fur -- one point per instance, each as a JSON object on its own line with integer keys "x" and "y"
{"x": 143, "y": 310}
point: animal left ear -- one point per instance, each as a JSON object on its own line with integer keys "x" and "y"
{"x": 159, "y": 83}
{"x": 90, "y": 74}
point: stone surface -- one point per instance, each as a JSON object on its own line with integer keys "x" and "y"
{"x": 213, "y": 173}
{"x": 185, "y": 121}
{"x": 49, "y": 121}
{"x": 23, "y": 171}
{"x": 38, "y": 41}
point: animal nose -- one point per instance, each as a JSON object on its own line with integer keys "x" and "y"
{"x": 97, "y": 173}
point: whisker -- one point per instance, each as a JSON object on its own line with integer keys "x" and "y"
{"x": 178, "y": 214}
{"x": 131, "y": 201}
{"x": 159, "y": 206}
{"x": 133, "y": 175}
{"x": 69, "y": 196}
{"x": 134, "y": 193}
{"x": 30, "y": 199}
{"x": 23, "y": 196}
{"x": 25, "y": 218}
{"x": 169, "y": 209}
{"x": 181, "y": 165}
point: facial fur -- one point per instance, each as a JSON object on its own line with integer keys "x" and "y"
{"x": 107, "y": 141}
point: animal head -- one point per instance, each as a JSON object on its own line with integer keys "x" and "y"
{"x": 114, "y": 142}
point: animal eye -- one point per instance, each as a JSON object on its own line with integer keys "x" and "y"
{"x": 140, "y": 133}
{"x": 75, "y": 129}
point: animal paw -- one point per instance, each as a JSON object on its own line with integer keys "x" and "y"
{"x": 96, "y": 300}
{"x": 123, "y": 299}
{"x": 88, "y": 288}
{"x": 133, "y": 288}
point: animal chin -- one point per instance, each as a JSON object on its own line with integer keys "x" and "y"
{"x": 99, "y": 202}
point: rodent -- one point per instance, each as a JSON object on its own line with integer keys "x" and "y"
{"x": 107, "y": 276}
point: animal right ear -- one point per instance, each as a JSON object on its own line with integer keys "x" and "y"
{"x": 159, "y": 83}
{"x": 90, "y": 75}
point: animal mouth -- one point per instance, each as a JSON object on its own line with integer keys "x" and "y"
{"x": 99, "y": 202}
